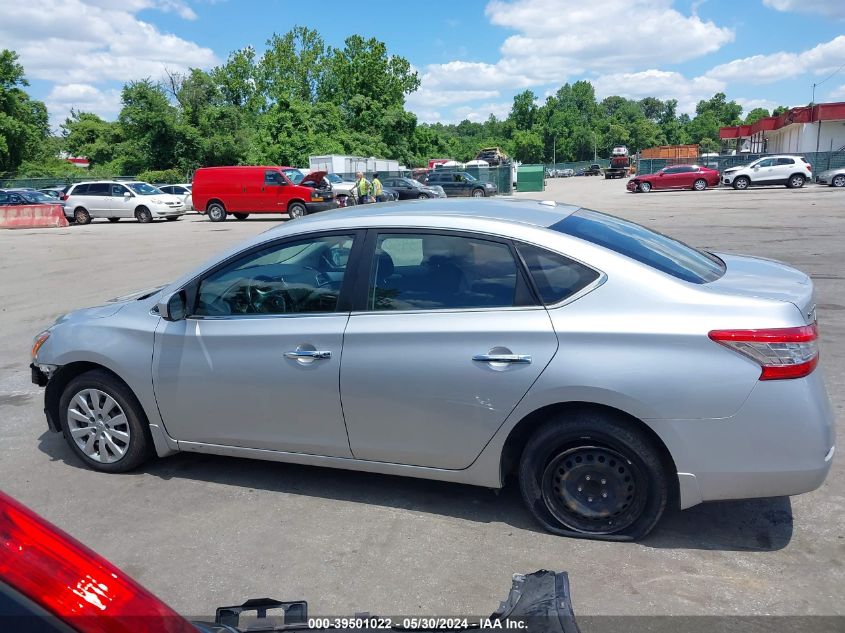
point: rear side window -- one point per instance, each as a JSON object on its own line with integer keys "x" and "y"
{"x": 785, "y": 161}
{"x": 99, "y": 189}
{"x": 643, "y": 245}
{"x": 79, "y": 190}
{"x": 556, "y": 277}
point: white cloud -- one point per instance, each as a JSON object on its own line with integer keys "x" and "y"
{"x": 95, "y": 41}
{"x": 749, "y": 104}
{"x": 661, "y": 84}
{"x": 552, "y": 45}
{"x": 830, "y": 8}
{"x": 764, "y": 69}
{"x": 479, "y": 114}
{"x": 83, "y": 97}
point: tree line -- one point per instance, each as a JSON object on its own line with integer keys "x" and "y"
{"x": 302, "y": 97}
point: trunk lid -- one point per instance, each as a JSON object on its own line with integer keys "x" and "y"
{"x": 767, "y": 279}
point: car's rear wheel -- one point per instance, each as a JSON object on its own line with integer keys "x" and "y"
{"x": 741, "y": 182}
{"x": 143, "y": 215}
{"x": 297, "y": 210}
{"x": 700, "y": 184}
{"x": 796, "y": 181}
{"x": 241, "y": 216}
{"x": 593, "y": 474}
{"x": 103, "y": 422}
{"x": 81, "y": 216}
{"x": 645, "y": 187}
{"x": 216, "y": 212}
{"x": 114, "y": 219}
{"x": 478, "y": 193}
{"x": 838, "y": 181}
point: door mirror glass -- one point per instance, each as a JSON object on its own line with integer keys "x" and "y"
{"x": 126, "y": 194}
{"x": 174, "y": 307}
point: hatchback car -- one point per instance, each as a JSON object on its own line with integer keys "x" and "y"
{"x": 612, "y": 369}
{"x": 115, "y": 200}
{"x": 789, "y": 170}
{"x": 693, "y": 177}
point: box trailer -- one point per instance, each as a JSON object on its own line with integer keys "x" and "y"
{"x": 340, "y": 164}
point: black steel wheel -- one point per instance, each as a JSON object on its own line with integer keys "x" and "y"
{"x": 594, "y": 474}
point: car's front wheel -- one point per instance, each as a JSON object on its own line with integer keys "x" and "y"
{"x": 741, "y": 182}
{"x": 103, "y": 422}
{"x": 297, "y": 210}
{"x": 143, "y": 215}
{"x": 422, "y": 196}
{"x": 645, "y": 187}
{"x": 838, "y": 181}
{"x": 593, "y": 475}
{"x": 216, "y": 212}
{"x": 478, "y": 193}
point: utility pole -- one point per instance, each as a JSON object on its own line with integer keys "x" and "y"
{"x": 554, "y": 152}
{"x": 595, "y": 148}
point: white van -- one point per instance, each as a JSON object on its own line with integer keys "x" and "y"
{"x": 114, "y": 200}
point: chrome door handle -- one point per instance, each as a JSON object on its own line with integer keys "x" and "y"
{"x": 514, "y": 359}
{"x": 308, "y": 353}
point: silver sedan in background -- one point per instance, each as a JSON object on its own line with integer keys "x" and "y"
{"x": 611, "y": 369}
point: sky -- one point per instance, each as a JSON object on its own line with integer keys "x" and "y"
{"x": 472, "y": 56}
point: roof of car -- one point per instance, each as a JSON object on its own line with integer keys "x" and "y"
{"x": 506, "y": 209}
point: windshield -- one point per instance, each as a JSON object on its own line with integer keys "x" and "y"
{"x": 469, "y": 177}
{"x": 294, "y": 175}
{"x": 416, "y": 184}
{"x": 643, "y": 245}
{"x": 36, "y": 196}
{"x": 143, "y": 189}
{"x": 334, "y": 178}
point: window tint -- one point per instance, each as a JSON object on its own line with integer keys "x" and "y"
{"x": 643, "y": 245}
{"x": 766, "y": 162}
{"x": 79, "y": 190}
{"x": 294, "y": 175}
{"x": 167, "y": 189}
{"x": 429, "y": 272}
{"x": 99, "y": 189}
{"x": 671, "y": 170}
{"x": 556, "y": 277}
{"x": 273, "y": 178}
{"x": 4, "y": 197}
{"x": 118, "y": 190}
{"x": 290, "y": 278}
{"x": 785, "y": 161}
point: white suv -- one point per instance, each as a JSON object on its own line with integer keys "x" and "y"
{"x": 789, "y": 169}
{"x": 115, "y": 200}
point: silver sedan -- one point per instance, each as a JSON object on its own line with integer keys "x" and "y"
{"x": 610, "y": 369}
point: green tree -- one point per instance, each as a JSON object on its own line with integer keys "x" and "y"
{"x": 24, "y": 126}
{"x": 755, "y": 115}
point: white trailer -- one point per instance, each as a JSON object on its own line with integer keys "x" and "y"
{"x": 339, "y": 164}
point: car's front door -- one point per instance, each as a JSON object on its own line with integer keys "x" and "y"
{"x": 257, "y": 363}
{"x": 446, "y": 342}
{"x": 122, "y": 205}
{"x": 763, "y": 173}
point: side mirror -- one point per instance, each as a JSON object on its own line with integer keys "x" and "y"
{"x": 126, "y": 194}
{"x": 661, "y": 174}
{"x": 174, "y": 307}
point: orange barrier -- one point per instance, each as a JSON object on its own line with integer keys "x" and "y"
{"x": 32, "y": 216}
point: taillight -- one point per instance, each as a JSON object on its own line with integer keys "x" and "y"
{"x": 66, "y": 578}
{"x": 63, "y": 197}
{"x": 782, "y": 352}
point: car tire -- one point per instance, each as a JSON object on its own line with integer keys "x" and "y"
{"x": 478, "y": 193}
{"x": 114, "y": 219}
{"x": 422, "y": 196}
{"x": 592, "y": 474}
{"x": 143, "y": 215}
{"x": 699, "y": 185}
{"x": 99, "y": 401}
{"x": 838, "y": 181}
{"x": 216, "y": 212}
{"x": 81, "y": 216}
{"x": 644, "y": 187}
{"x": 741, "y": 183}
{"x": 796, "y": 181}
{"x": 297, "y": 210}
{"x": 241, "y": 216}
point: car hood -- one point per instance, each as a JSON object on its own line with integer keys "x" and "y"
{"x": 766, "y": 279}
{"x": 315, "y": 179}
{"x": 829, "y": 173}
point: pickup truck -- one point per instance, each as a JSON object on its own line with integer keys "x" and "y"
{"x": 593, "y": 170}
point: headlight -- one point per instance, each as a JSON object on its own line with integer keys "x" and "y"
{"x": 37, "y": 342}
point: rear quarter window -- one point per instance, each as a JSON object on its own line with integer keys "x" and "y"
{"x": 556, "y": 277}
{"x": 643, "y": 245}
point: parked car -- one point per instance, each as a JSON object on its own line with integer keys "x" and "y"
{"x": 581, "y": 171}
{"x": 219, "y": 191}
{"x": 114, "y": 200}
{"x": 22, "y": 197}
{"x": 566, "y": 173}
{"x": 409, "y": 189}
{"x": 693, "y": 177}
{"x": 460, "y": 183}
{"x": 342, "y": 189}
{"x": 56, "y": 192}
{"x": 593, "y": 170}
{"x": 183, "y": 191}
{"x": 834, "y": 177}
{"x": 611, "y": 368}
{"x": 790, "y": 170}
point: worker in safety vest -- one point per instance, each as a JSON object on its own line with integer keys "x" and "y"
{"x": 378, "y": 190}
{"x": 363, "y": 188}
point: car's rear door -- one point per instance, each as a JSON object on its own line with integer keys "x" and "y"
{"x": 257, "y": 363}
{"x": 784, "y": 167}
{"x": 446, "y": 339}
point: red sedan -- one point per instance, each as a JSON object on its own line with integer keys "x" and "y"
{"x": 693, "y": 177}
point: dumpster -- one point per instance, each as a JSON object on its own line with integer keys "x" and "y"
{"x": 531, "y": 178}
